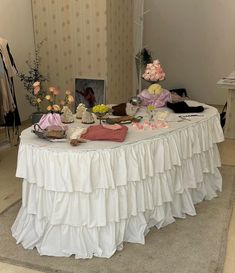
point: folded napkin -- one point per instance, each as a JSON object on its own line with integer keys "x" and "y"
{"x": 76, "y": 134}
{"x": 99, "y": 132}
{"x": 112, "y": 126}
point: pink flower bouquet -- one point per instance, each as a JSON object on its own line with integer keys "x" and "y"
{"x": 154, "y": 72}
{"x": 51, "y": 98}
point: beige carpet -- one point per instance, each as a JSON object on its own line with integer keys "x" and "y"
{"x": 193, "y": 245}
{"x": 10, "y": 186}
{"x": 227, "y": 152}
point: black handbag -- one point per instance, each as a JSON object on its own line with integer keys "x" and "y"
{"x": 223, "y": 115}
{"x": 182, "y": 92}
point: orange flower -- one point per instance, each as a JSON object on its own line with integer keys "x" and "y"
{"x": 56, "y": 108}
{"x": 70, "y": 99}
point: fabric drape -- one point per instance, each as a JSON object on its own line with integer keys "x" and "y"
{"x": 9, "y": 115}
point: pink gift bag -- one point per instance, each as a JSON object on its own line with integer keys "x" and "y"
{"x": 50, "y": 119}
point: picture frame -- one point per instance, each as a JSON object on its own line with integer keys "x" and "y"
{"x": 89, "y": 92}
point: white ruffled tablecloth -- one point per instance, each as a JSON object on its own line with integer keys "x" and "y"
{"x": 88, "y": 200}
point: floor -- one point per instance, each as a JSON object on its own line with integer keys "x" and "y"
{"x": 227, "y": 152}
{"x": 10, "y": 189}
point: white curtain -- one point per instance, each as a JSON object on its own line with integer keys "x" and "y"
{"x": 137, "y": 39}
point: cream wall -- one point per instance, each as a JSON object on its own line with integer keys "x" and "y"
{"x": 86, "y": 39}
{"x": 120, "y": 50}
{"x": 16, "y": 27}
{"x": 195, "y": 42}
{"x": 75, "y": 39}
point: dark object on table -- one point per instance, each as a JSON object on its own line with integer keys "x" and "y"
{"x": 119, "y": 110}
{"x": 76, "y": 142}
{"x": 135, "y": 101}
{"x": 223, "y": 115}
{"x": 182, "y": 107}
{"x": 36, "y": 116}
{"x": 180, "y": 91}
{"x": 123, "y": 120}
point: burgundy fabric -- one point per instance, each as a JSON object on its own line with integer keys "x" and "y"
{"x": 98, "y": 132}
{"x": 119, "y": 110}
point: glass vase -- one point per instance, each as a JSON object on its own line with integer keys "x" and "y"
{"x": 100, "y": 116}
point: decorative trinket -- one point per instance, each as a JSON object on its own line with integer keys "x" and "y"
{"x": 67, "y": 115}
{"x": 87, "y": 117}
{"x": 80, "y": 109}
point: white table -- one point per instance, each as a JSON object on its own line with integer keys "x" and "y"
{"x": 229, "y": 84}
{"x": 88, "y": 200}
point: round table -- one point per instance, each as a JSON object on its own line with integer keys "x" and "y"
{"x": 88, "y": 200}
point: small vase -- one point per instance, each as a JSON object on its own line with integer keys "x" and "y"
{"x": 150, "y": 115}
{"x": 100, "y": 116}
{"x": 36, "y": 116}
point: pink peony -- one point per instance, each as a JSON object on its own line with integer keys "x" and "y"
{"x": 56, "y": 92}
{"x": 156, "y": 62}
{"x": 37, "y": 83}
{"x": 36, "y": 89}
{"x": 51, "y": 89}
{"x": 154, "y": 72}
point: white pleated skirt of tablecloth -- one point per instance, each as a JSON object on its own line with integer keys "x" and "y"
{"x": 89, "y": 202}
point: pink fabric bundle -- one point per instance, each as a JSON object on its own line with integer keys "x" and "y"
{"x": 98, "y": 132}
{"x": 156, "y": 100}
{"x": 50, "y": 120}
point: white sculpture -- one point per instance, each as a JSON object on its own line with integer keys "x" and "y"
{"x": 87, "y": 117}
{"x": 80, "y": 109}
{"x": 67, "y": 115}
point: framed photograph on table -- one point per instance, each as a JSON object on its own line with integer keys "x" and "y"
{"x": 90, "y": 92}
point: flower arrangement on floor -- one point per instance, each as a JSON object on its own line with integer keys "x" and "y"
{"x": 154, "y": 72}
{"x": 33, "y": 80}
